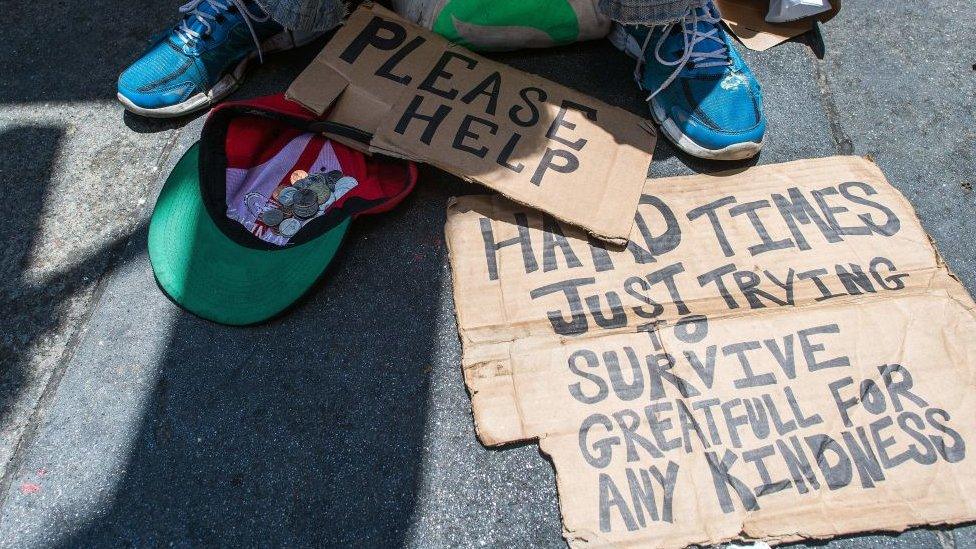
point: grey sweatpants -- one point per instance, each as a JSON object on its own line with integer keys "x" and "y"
{"x": 315, "y": 15}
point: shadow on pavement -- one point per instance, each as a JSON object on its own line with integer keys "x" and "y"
{"x": 306, "y": 431}
{"x": 60, "y": 51}
{"x": 26, "y": 161}
{"x": 103, "y": 39}
{"x": 33, "y": 304}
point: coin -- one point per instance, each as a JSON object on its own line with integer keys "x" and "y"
{"x": 289, "y": 227}
{"x": 306, "y": 211}
{"x": 305, "y": 196}
{"x": 287, "y": 196}
{"x": 255, "y": 202}
{"x": 313, "y": 178}
{"x": 323, "y": 194}
{"x": 298, "y": 175}
{"x": 302, "y": 183}
{"x": 333, "y": 175}
{"x": 307, "y": 204}
{"x": 272, "y": 218}
{"x": 321, "y": 187}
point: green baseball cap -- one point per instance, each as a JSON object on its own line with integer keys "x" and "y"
{"x": 252, "y": 215}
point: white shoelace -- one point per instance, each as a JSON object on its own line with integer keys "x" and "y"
{"x": 692, "y": 37}
{"x": 191, "y": 11}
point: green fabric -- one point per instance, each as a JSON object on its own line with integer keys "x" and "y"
{"x": 555, "y": 18}
{"x": 216, "y": 278}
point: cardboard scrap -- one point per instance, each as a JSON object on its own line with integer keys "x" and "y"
{"x": 778, "y": 354}
{"x": 747, "y": 21}
{"x": 536, "y": 142}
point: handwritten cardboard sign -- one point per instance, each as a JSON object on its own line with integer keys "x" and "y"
{"x": 536, "y": 142}
{"x": 779, "y": 353}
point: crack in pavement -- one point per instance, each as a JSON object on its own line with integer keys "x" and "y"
{"x": 842, "y": 143}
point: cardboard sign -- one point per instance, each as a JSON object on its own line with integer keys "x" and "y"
{"x": 747, "y": 21}
{"x": 779, "y": 353}
{"x": 536, "y": 142}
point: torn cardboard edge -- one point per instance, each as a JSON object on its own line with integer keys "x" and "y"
{"x": 747, "y": 21}
{"x": 525, "y": 352}
{"x": 536, "y": 142}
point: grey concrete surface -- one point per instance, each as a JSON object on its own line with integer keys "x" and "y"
{"x": 907, "y": 97}
{"x": 126, "y": 422}
{"x": 75, "y": 179}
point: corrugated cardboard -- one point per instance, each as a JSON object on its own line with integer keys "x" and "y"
{"x": 747, "y": 21}
{"x": 536, "y": 142}
{"x": 779, "y": 354}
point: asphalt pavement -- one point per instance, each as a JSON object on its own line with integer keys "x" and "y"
{"x": 127, "y": 422}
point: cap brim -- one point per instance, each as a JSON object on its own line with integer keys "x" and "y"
{"x": 214, "y": 277}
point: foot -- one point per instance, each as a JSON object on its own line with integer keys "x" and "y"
{"x": 703, "y": 96}
{"x": 203, "y": 58}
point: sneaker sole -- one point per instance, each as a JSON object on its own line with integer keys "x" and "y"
{"x": 738, "y": 151}
{"x": 228, "y": 83}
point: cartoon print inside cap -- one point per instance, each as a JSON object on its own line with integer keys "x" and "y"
{"x": 275, "y": 199}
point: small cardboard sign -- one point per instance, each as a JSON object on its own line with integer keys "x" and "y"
{"x": 747, "y": 21}
{"x": 778, "y": 354}
{"x": 538, "y": 143}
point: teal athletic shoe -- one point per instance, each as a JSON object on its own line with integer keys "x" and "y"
{"x": 203, "y": 58}
{"x": 705, "y": 99}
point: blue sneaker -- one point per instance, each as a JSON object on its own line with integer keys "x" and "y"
{"x": 704, "y": 97}
{"x": 203, "y": 58}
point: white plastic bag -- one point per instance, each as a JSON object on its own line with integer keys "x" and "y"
{"x": 781, "y": 11}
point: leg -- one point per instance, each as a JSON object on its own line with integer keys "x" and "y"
{"x": 305, "y": 15}
{"x": 648, "y": 12}
{"x": 701, "y": 93}
{"x": 203, "y": 58}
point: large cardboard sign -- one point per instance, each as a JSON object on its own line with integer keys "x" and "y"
{"x": 779, "y": 353}
{"x": 536, "y": 142}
